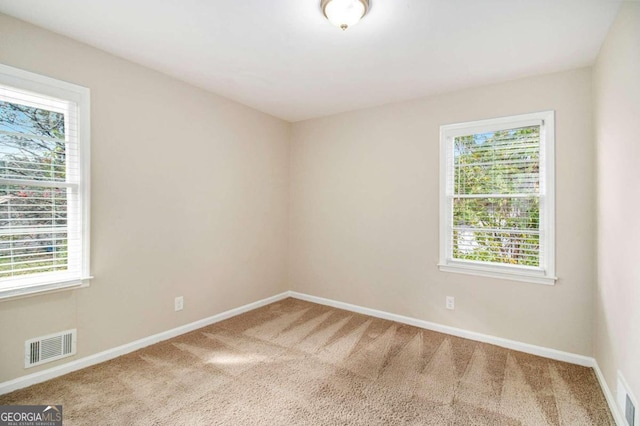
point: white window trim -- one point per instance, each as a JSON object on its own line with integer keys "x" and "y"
{"x": 546, "y": 273}
{"x": 25, "y": 80}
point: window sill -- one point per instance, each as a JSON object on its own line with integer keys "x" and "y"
{"x": 27, "y": 290}
{"x": 522, "y": 276}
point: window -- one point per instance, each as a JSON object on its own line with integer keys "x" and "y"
{"x": 44, "y": 185}
{"x": 497, "y": 198}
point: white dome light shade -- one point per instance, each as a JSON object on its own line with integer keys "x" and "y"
{"x": 344, "y": 13}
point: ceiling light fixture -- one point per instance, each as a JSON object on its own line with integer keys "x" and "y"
{"x": 344, "y": 13}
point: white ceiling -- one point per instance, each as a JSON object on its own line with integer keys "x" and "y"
{"x": 282, "y": 57}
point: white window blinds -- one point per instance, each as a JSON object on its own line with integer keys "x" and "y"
{"x": 41, "y": 190}
{"x": 496, "y": 196}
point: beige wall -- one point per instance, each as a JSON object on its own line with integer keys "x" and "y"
{"x": 356, "y": 194}
{"x": 189, "y": 197}
{"x": 617, "y": 114}
{"x": 364, "y": 214}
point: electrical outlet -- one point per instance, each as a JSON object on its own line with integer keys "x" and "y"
{"x": 451, "y": 303}
{"x": 179, "y": 303}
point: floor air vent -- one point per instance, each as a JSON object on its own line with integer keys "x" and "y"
{"x": 627, "y": 402}
{"x": 49, "y": 348}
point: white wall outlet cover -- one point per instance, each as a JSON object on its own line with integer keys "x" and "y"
{"x": 179, "y": 303}
{"x": 450, "y": 302}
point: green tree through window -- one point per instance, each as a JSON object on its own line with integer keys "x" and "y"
{"x": 496, "y": 208}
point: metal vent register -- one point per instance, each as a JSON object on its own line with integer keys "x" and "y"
{"x": 49, "y": 348}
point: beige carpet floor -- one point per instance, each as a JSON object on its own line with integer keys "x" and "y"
{"x": 298, "y": 363}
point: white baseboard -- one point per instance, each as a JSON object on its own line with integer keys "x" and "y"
{"x": 471, "y": 335}
{"x": 611, "y": 400}
{"x": 48, "y": 374}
